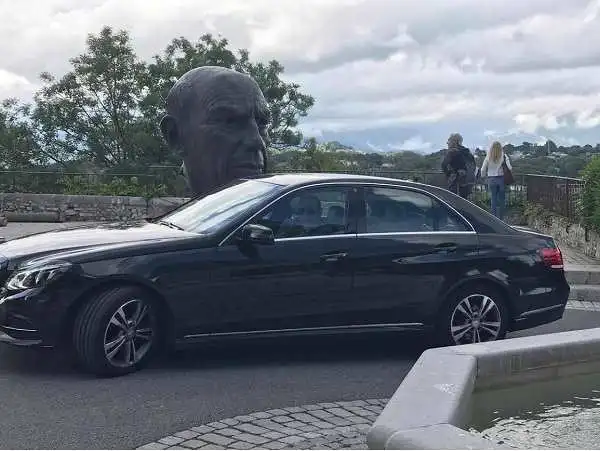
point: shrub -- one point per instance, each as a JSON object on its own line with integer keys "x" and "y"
{"x": 590, "y": 196}
{"x": 117, "y": 186}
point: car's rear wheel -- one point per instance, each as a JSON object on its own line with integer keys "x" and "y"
{"x": 474, "y": 314}
{"x": 116, "y": 332}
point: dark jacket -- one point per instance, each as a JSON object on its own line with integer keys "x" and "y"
{"x": 454, "y": 161}
{"x": 467, "y": 156}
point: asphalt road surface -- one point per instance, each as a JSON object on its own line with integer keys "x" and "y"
{"x": 46, "y": 403}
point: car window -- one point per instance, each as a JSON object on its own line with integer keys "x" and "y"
{"x": 393, "y": 210}
{"x": 309, "y": 212}
{"x": 222, "y": 207}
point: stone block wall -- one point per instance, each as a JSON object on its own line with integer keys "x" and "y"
{"x": 26, "y": 207}
{"x": 573, "y": 235}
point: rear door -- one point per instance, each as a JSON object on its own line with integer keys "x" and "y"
{"x": 410, "y": 248}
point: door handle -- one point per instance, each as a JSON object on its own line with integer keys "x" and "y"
{"x": 333, "y": 257}
{"x": 446, "y": 247}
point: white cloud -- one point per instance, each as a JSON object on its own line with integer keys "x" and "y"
{"x": 415, "y": 143}
{"x": 588, "y": 119}
{"x": 14, "y": 85}
{"x": 433, "y": 67}
{"x": 532, "y": 122}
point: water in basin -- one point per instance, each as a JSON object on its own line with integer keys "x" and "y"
{"x": 563, "y": 413}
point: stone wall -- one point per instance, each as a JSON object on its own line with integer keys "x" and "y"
{"x": 573, "y": 235}
{"x": 25, "y": 207}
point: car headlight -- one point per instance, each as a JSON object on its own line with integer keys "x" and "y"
{"x": 36, "y": 276}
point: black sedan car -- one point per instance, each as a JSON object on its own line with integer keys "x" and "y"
{"x": 279, "y": 255}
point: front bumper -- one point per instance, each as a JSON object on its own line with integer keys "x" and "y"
{"x": 29, "y": 319}
{"x": 16, "y": 341}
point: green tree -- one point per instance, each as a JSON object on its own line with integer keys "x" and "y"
{"x": 590, "y": 197}
{"x": 287, "y": 103}
{"x": 18, "y": 146}
{"x": 315, "y": 158}
{"x": 91, "y": 113}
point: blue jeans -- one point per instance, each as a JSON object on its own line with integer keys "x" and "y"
{"x": 498, "y": 195}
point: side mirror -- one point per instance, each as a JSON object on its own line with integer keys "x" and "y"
{"x": 254, "y": 233}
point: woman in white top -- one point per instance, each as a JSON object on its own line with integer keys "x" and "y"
{"x": 492, "y": 169}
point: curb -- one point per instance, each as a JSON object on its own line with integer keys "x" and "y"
{"x": 582, "y": 274}
{"x": 585, "y": 293}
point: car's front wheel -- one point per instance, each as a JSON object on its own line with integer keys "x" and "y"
{"x": 116, "y": 331}
{"x": 474, "y": 314}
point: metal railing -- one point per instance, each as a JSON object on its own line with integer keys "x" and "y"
{"x": 560, "y": 195}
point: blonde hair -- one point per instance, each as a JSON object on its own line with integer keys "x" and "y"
{"x": 496, "y": 152}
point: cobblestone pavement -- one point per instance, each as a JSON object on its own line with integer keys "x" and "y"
{"x": 592, "y": 306}
{"x": 332, "y": 425}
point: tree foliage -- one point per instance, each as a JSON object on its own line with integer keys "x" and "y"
{"x": 92, "y": 111}
{"x": 18, "y": 146}
{"x": 590, "y": 197}
{"x": 316, "y": 158}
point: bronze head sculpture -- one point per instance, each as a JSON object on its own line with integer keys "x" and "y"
{"x": 217, "y": 120}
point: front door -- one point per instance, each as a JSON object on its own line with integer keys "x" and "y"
{"x": 302, "y": 281}
{"x": 409, "y": 246}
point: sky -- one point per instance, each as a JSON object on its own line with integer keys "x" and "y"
{"x": 387, "y": 75}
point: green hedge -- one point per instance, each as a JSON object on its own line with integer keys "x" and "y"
{"x": 590, "y": 196}
{"x": 117, "y": 186}
{"x": 158, "y": 182}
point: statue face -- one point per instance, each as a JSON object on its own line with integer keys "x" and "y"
{"x": 219, "y": 127}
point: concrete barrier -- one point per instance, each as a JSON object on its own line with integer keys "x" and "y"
{"x": 433, "y": 403}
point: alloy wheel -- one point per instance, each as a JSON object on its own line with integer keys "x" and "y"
{"x": 129, "y": 334}
{"x": 475, "y": 319}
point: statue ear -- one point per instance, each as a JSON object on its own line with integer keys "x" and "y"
{"x": 168, "y": 127}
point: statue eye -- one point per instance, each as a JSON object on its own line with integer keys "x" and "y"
{"x": 226, "y": 116}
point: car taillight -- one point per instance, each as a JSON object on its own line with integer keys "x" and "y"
{"x": 552, "y": 257}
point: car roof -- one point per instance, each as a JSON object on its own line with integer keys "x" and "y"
{"x": 290, "y": 179}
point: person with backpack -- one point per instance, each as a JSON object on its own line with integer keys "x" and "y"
{"x": 459, "y": 167}
{"x": 498, "y": 170}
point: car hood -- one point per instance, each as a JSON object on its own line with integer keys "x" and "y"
{"x": 87, "y": 236}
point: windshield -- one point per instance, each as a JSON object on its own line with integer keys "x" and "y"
{"x": 213, "y": 211}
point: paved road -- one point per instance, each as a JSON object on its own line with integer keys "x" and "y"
{"x": 44, "y": 403}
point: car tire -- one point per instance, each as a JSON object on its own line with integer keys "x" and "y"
{"x": 486, "y": 320}
{"x": 116, "y": 332}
